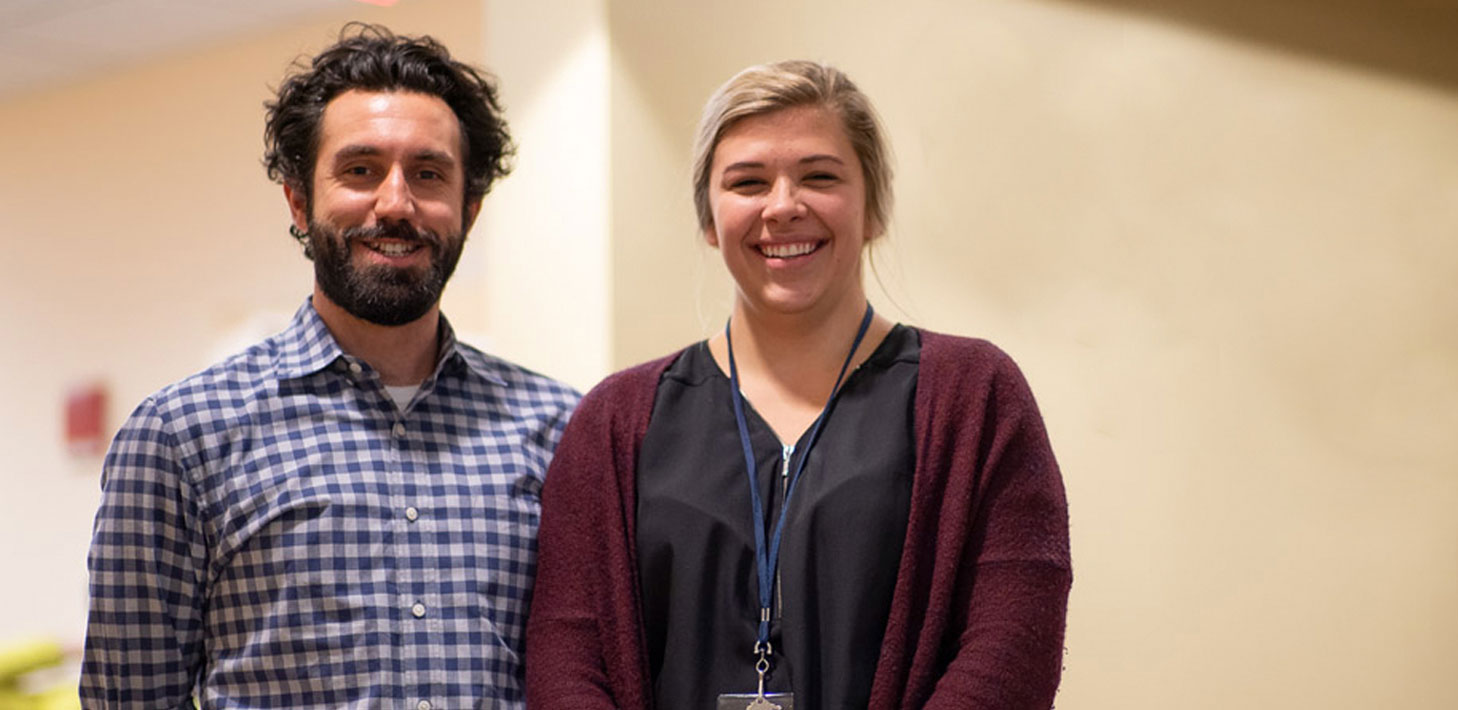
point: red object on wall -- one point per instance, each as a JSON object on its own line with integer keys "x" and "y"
{"x": 86, "y": 419}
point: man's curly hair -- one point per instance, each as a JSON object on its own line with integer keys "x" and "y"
{"x": 372, "y": 58}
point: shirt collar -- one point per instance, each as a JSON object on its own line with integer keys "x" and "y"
{"x": 307, "y": 346}
{"x": 455, "y": 354}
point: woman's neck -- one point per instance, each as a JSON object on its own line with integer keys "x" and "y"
{"x": 788, "y": 363}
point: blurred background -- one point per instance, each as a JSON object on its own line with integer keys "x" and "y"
{"x": 1221, "y": 238}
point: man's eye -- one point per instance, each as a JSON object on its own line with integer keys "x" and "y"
{"x": 430, "y": 175}
{"x": 357, "y": 170}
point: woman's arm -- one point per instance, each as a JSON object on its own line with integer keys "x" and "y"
{"x": 1009, "y": 616}
{"x": 1002, "y": 645}
{"x": 584, "y": 631}
{"x": 565, "y": 666}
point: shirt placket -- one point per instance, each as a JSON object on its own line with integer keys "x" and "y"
{"x": 419, "y": 582}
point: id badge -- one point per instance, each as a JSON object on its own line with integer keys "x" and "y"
{"x": 752, "y": 701}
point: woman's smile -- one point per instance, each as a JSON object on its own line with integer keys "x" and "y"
{"x": 788, "y": 200}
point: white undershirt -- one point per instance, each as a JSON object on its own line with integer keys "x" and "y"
{"x": 402, "y": 394}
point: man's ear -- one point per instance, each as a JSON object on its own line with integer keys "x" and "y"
{"x": 473, "y": 208}
{"x": 298, "y": 207}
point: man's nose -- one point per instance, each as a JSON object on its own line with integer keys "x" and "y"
{"x": 394, "y": 199}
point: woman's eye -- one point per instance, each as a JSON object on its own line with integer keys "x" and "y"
{"x": 820, "y": 177}
{"x": 745, "y": 183}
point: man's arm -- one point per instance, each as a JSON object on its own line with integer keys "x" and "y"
{"x": 148, "y": 565}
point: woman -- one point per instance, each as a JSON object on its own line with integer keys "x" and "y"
{"x": 904, "y": 543}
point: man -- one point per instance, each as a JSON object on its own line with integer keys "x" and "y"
{"x": 345, "y": 514}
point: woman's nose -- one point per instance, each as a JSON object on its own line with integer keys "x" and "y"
{"x": 782, "y": 204}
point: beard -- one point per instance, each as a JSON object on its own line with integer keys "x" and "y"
{"x": 380, "y": 294}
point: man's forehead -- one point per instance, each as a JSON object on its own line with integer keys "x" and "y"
{"x": 365, "y": 121}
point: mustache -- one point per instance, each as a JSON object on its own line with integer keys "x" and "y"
{"x": 402, "y": 231}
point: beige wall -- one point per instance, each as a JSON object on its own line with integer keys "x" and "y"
{"x": 1225, "y": 268}
{"x": 144, "y": 242}
{"x": 547, "y": 284}
{"x": 1228, "y": 272}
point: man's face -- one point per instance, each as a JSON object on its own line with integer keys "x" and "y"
{"x": 387, "y": 218}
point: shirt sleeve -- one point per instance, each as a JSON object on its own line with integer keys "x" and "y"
{"x": 148, "y": 566}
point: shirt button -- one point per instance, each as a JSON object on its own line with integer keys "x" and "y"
{"x": 418, "y": 610}
{"x": 399, "y": 430}
{"x": 355, "y": 368}
{"x": 423, "y": 705}
{"x": 411, "y": 514}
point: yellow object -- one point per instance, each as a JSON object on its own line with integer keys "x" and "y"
{"x": 20, "y": 659}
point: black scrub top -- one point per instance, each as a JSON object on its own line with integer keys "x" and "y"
{"x": 842, "y": 540}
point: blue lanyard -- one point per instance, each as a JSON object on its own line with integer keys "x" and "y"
{"x": 766, "y": 561}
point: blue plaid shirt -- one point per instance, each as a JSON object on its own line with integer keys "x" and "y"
{"x": 276, "y": 533}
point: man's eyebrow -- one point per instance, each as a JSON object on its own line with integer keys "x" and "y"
{"x": 360, "y": 150}
{"x": 355, "y": 151}
{"x": 435, "y": 156}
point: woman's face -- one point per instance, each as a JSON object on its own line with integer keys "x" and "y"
{"x": 789, "y": 204}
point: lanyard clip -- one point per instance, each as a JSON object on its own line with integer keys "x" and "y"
{"x": 764, "y": 651}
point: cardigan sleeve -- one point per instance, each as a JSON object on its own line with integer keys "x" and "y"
{"x": 1005, "y": 636}
{"x": 584, "y": 637}
{"x": 564, "y": 656}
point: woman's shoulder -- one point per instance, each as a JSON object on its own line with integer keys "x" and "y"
{"x": 969, "y": 390}
{"x": 954, "y": 364}
{"x": 634, "y": 384}
{"x": 958, "y": 353}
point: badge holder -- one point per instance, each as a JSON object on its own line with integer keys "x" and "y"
{"x": 760, "y": 700}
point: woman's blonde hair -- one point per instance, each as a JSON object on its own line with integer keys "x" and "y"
{"x": 766, "y": 88}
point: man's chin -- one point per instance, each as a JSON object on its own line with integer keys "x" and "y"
{"x": 387, "y": 297}
{"x": 392, "y": 315}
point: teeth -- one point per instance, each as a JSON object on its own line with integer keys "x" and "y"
{"x": 393, "y": 248}
{"x": 785, "y": 251}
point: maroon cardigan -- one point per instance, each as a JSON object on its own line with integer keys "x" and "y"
{"x": 977, "y": 615}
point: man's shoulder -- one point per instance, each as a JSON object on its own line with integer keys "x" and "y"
{"x": 520, "y": 381}
{"x": 222, "y": 390}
